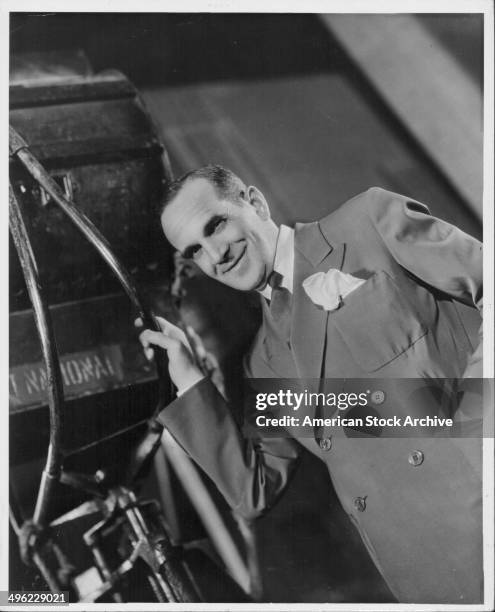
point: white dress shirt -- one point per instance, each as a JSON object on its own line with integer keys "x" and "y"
{"x": 283, "y": 263}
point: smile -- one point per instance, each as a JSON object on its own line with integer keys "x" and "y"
{"x": 237, "y": 261}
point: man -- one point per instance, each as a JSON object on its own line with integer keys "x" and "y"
{"x": 415, "y": 501}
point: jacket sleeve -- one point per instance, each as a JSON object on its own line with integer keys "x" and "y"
{"x": 434, "y": 251}
{"x": 250, "y": 472}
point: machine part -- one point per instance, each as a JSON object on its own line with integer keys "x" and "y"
{"x": 148, "y": 545}
{"x": 53, "y": 465}
{"x": 147, "y": 541}
{"x": 209, "y": 514}
{"x": 19, "y": 148}
{"x": 169, "y": 506}
{"x": 143, "y": 548}
{"x": 166, "y": 578}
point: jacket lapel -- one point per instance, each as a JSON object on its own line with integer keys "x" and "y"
{"x": 313, "y": 253}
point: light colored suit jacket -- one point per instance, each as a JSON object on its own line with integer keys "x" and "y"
{"x": 421, "y": 522}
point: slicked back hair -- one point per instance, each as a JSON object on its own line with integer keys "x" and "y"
{"x": 227, "y": 184}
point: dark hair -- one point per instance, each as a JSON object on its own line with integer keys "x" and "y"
{"x": 227, "y": 184}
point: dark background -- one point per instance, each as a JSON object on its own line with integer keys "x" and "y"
{"x": 170, "y": 49}
{"x": 284, "y": 74}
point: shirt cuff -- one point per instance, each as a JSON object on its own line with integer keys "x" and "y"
{"x": 181, "y": 392}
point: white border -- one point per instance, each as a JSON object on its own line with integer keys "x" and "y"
{"x": 264, "y": 6}
{"x": 250, "y": 6}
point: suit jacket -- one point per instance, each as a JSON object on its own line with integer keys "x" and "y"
{"x": 419, "y": 518}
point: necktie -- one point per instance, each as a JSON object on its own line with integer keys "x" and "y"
{"x": 280, "y": 308}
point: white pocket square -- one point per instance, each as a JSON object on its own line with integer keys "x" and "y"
{"x": 328, "y": 289}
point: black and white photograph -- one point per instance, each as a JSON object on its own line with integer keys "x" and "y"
{"x": 250, "y": 365}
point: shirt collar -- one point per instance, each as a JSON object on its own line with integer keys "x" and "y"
{"x": 284, "y": 260}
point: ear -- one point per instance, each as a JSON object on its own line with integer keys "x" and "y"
{"x": 258, "y": 201}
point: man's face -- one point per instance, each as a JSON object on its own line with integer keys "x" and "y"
{"x": 233, "y": 242}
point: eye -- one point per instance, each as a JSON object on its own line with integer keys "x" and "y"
{"x": 192, "y": 252}
{"x": 196, "y": 251}
{"x": 219, "y": 224}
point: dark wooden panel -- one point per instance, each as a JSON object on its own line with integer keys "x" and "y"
{"x": 98, "y": 347}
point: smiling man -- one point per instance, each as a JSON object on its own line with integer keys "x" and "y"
{"x": 368, "y": 291}
{"x": 225, "y": 227}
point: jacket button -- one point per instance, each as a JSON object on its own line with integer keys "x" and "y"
{"x": 416, "y": 458}
{"x": 326, "y": 444}
{"x": 360, "y": 504}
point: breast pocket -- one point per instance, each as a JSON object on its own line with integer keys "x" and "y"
{"x": 379, "y": 321}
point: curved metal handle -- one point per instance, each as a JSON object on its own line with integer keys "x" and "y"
{"x": 53, "y": 465}
{"x": 19, "y": 148}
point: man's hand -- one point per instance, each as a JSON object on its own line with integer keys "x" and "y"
{"x": 182, "y": 369}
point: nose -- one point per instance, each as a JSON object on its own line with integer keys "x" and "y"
{"x": 218, "y": 252}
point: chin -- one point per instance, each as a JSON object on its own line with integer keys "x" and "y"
{"x": 253, "y": 281}
{"x": 257, "y": 285}
{"x": 243, "y": 284}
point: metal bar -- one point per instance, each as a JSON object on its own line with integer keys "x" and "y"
{"x": 206, "y": 509}
{"x": 49, "y": 576}
{"x": 119, "y": 432}
{"x": 20, "y": 148}
{"x": 50, "y": 357}
{"x": 165, "y": 490}
{"x": 16, "y": 515}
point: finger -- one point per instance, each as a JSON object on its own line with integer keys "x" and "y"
{"x": 173, "y": 331}
{"x": 198, "y": 343}
{"x": 149, "y": 353}
{"x": 164, "y": 324}
{"x": 157, "y": 339}
{"x": 138, "y": 322}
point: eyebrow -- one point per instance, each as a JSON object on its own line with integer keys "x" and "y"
{"x": 208, "y": 230}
